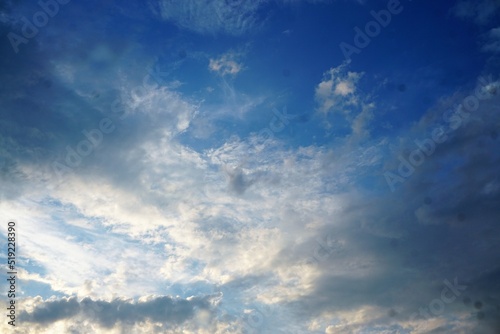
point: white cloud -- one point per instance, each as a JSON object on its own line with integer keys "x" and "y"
{"x": 362, "y": 120}
{"x": 225, "y": 64}
{"x": 164, "y": 214}
{"x": 337, "y": 92}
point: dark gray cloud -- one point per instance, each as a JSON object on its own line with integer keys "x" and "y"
{"x": 238, "y": 182}
{"x": 165, "y": 310}
{"x": 400, "y": 247}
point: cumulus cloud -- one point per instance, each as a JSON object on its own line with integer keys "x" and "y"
{"x": 148, "y": 314}
{"x": 337, "y": 91}
{"x": 163, "y": 309}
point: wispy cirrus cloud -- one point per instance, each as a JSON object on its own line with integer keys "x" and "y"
{"x": 212, "y": 16}
{"x": 480, "y": 12}
{"x": 492, "y": 43}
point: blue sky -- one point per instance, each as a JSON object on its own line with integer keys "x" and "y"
{"x": 215, "y": 166}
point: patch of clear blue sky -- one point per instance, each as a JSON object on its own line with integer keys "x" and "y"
{"x": 418, "y": 58}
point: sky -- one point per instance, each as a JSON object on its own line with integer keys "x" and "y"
{"x": 251, "y": 166}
